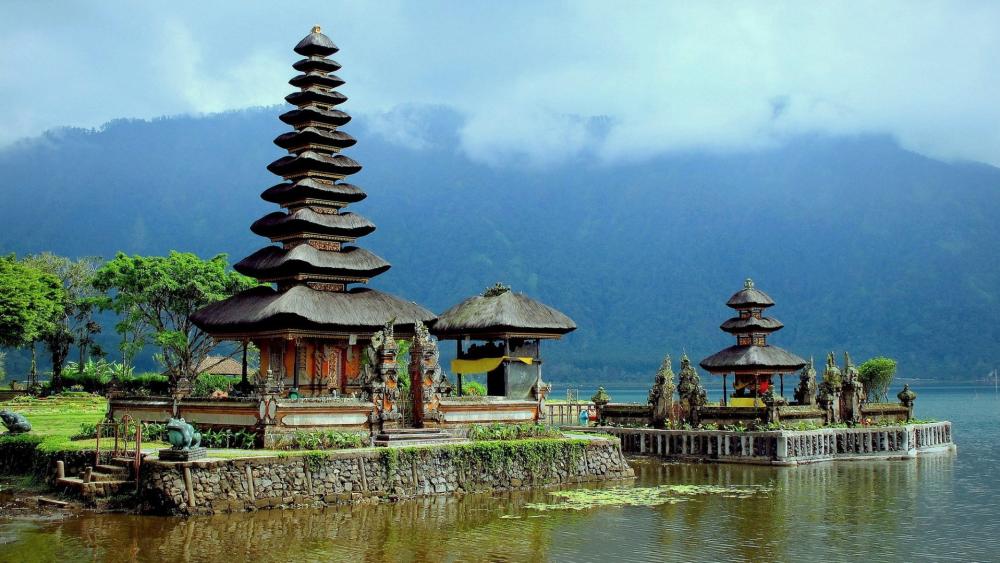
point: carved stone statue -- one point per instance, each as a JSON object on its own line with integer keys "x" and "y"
{"x": 692, "y": 394}
{"x": 380, "y": 377}
{"x": 852, "y": 392}
{"x": 15, "y": 422}
{"x": 181, "y": 435}
{"x": 805, "y": 393}
{"x": 425, "y": 372}
{"x": 907, "y": 397}
{"x": 661, "y": 396}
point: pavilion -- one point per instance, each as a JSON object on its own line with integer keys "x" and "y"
{"x": 509, "y": 328}
{"x": 752, "y": 360}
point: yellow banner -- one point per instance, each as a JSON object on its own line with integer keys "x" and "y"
{"x": 484, "y": 365}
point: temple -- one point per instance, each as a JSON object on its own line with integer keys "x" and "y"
{"x": 330, "y": 347}
{"x": 752, "y": 361}
{"x": 312, "y": 325}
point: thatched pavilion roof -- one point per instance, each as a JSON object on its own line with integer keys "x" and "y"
{"x": 301, "y": 308}
{"x": 749, "y": 296}
{"x": 759, "y": 359}
{"x": 498, "y": 314}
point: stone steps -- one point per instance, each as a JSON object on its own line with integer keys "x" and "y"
{"x": 95, "y": 489}
{"x": 415, "y": 437}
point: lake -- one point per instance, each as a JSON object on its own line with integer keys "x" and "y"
{"x": 939, "y": 507}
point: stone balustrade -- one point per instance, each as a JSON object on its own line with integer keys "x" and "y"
{"x": 785, "y": 447}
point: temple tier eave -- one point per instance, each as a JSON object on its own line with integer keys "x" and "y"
{"x": 752, "y": 359}
{"x": 300, "y": 310}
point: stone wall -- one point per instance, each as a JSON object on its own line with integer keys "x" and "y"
{"x": 372, "y": 475}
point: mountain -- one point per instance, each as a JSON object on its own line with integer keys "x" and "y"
{"x": 863, "y": 245}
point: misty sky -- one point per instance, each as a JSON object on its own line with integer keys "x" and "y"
{"x": 530, "y": 77}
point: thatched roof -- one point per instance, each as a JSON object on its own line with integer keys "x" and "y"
{"x": 311, "y": 161}
{"x": 344, "y": 226}
{"x": 749, "y": 358}
{"x": 316, "y": 79}
{"x": 313, "y": 188}
{"x": 316, "y": 45}
{"x": 313, "y": 136}
{"x": 275, "y": 262}
{"x": 749, "y": 296}
{"x": 312, "y": 64}
{"x": 218, "y": 365}
{"x": 737, "y": 325}
{"x": 315, "y": 114}
{"x": 496, "y": 315}
{"x": 315, "y": 96}
{"x": 301, "y": 308}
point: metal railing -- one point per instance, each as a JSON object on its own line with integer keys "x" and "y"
{"x": 127, "y": 434}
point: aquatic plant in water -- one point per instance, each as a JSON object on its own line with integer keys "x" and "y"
{"x": 583, "y": 499}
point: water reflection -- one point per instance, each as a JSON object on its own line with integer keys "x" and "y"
{"x": 826, "y": 511}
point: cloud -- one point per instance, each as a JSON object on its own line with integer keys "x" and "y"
{"x": 537, "y": 81}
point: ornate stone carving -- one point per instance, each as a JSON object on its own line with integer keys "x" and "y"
{"x": 380, "y": 378}
{"x": 661, "y": 396}
{"x": 692, "y": 395}
{"x": 852, "y": 392}
{"x": 805, "y": 393}
{"x": 425, "y": 372}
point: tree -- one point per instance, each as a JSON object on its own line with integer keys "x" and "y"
{"x": 76, "y": 323}
{"x": 876, "y": 374}
{"x": 30, "y": 303}
{"x": 156, "y": 295}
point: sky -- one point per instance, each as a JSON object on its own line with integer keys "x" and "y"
{"x": 531, "y": 79}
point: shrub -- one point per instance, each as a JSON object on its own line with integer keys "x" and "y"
{"x": 473, "y": 388}
{"x": 207, "y": 383}
{"x": 876, "y": 375}
{"x": 238, "y": 438}
{"x": 322, "y": 440}
{"x": 499, "y": 431}
{"x": 145, "y": 384}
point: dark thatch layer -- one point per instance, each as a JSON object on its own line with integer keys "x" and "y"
{"x": 313, "y": 188}
{"x": 314, "y": 136}
{"x": 750, "y": 297}
{"x": 315, "y": 96}
{"x": 316, "y": 45}
{"x": 260, "y": 309}
{"x": 274, "y": 262}
{"x": 737, "y": 325}
{"x": 310, "y": 161}
{"x": 306, "y": 221}
{"x": 764, "y": 358}
{"x": 316, "y": 79}
{"x": 505, "y": 313}
{"x": 315, "y": 114}
{"x": 314, "y": 64}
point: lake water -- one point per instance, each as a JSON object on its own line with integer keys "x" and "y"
{"x": 939, "y": 507}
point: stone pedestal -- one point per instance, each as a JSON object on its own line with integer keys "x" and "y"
{"x": 183, "y": 455}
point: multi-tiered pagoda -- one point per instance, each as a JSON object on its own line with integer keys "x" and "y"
{"x": 310, "y": 323}
{"x": 752, "y": 360}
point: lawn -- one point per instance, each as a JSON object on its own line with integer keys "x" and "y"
{"x": 58, "y": 418}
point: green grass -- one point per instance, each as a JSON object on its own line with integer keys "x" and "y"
{"x": 55, "y": 419}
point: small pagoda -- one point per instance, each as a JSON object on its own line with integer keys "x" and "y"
{"x": 752, "y": 360}
{"x": 313, "y": 318}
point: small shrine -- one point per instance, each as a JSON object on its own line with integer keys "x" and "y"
{"x": 752, "y": 361}
{"x": 507, "y": 329}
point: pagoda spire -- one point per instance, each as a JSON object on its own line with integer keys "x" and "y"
{"x": 312, "y": 259}
{"x": 313, "y": 231}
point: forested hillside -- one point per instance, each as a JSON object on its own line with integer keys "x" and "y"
{"x": 863, "y": 245}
